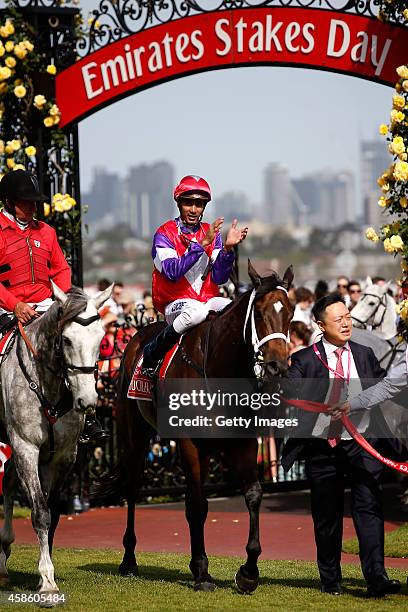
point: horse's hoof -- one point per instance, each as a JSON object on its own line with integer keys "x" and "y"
{"x": 128, "y": 570}
{"x": 245, "y": 585}
{"x": 207, "y": 586}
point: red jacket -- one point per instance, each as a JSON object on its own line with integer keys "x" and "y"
{"x": 28, "y": 260}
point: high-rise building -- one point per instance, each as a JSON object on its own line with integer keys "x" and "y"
{"x": 374, "y": 160}
{"x": 277, "y": 208}
{"x": 328, "y": 197}
{"x": 104, "y": 196}
{"x": 147, "y": 197}
{"x": 233, "y": 204}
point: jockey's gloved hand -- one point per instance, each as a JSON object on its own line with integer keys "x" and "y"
{"x": 24, "y": 312}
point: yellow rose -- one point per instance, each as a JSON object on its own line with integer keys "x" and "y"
{"x": 388, "y": 248}
{"x": 51, "y": 69}
{"x": 54, "y": 110}
{"x": 401, "y": 171}
{"x": 48, "y": 122}
{"x": 10, "y": 162}
{"x": 398, "y": 102}
{"x": 57, "y": 119}
{"x": 15, "y": 144}
{"x": 383, "y": 129}
{"x": 403, "y": 202}
{"x": 9, "y": 27}
{"x": 371, "y": 234}
{"x": 28, "y": 45}
{"x": 66, "y": 204}
{"x": 57, "y": 197}
{"x": 5, "y": 73}
{"x": 9, "y": 46}
{"x": 20, "y": 52}
{"x": 382, "y": 202}
{"x": 2, "y": 50}
{"x": 10, "y": 62}
{"x": 59, "y": 206}
{"x": 39, "y": 101}
{"x": 71, "y": 201}
{"x": 47, "y": 209}
{"x": 19, "y": 167}
{"x": 397, "y": 116}
{"x": 385, "y": 187}
{"x": 397, "y": 242}
{"x": 20, "y": 91}
{"x": 405, "y": 13}
{"x": 30, "y": 151}
{"x": 397, "y": 145}
{"x": 405, "y": 85}
{"x": 402, "y": 72}
{"x": 9, "y": 149}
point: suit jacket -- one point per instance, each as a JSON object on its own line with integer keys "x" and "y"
{"x": 306, "y": 364}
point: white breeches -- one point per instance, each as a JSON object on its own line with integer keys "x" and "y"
{"x": 185, "y": 314}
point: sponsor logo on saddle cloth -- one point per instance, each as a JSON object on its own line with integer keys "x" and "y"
{"x": 140, "y": 386}
{"x": 4, "y": 341}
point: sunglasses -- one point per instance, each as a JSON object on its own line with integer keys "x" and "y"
{"x": 342, "y": 286}
{"x": 355, "y": 290}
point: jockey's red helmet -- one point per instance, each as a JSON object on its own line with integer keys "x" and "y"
{"x": 194, "y": 187}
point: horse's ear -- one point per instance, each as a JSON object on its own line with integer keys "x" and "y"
{"x": 253, "y": 275}
{"x": 288, "y": 277}
{"x": 368, "y": 281}
{"x": 58, "y": 293}
{"x": 102, "y": 297}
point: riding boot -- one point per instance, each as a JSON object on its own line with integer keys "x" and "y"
{"x": 157, "y": 348}
{"x": 93, "y": 431}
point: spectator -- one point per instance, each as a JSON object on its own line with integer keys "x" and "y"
{"x": 342, "y": 289}
{"x": 113, "y": 303}
{"x": 299, "y": 334}
{"x": 321, "y": 289}
{"x": 102, "y": 284}
{"x": 379, "y": 280}
{"x": 354, "y": 290}
{"x": 304, "y": 303}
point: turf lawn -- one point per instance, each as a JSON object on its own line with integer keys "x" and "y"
{"x": 90, "y": 579}
{"x": 396, "y": 543}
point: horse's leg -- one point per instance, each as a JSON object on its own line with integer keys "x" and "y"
{"x": 195, "y": 468}
{"x": 26, "y": 462}
{"x": 244, "y": 458}
{"x": 7, "y": 533}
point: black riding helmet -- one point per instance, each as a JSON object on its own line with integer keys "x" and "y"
{"x": 20, "y": 185}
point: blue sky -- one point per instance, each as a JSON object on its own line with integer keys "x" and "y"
{"x": 228, "y": 125}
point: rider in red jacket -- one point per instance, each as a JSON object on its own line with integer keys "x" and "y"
{"x": 30, "y": 257}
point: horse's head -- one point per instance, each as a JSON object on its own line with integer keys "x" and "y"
{"x": 267, "y": 322}
{"x": 371, "y": 307}
{"x": 79, "y": 338}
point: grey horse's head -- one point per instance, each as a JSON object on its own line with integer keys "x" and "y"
{"x": 81, "y": 335}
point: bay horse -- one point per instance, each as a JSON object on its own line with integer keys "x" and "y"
{"x": 232, "y": 350}
{"x": 64, "y": 349}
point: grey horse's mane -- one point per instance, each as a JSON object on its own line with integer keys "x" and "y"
{"x": 60, "y": 314}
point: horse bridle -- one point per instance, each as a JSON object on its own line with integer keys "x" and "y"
{"x": 50, "y": 409}
{"x": 259, "y": 362}
{"x": 380, "y": 303}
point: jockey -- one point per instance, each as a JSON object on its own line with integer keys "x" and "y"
{"x": 190, "y": 261}
{"x": 30, "y": 257}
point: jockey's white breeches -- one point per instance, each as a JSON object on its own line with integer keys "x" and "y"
{"x": 185, "y": 314}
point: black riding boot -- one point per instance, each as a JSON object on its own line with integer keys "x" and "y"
{"x": 93, "y": 431}
{"x": 157, "y": 348}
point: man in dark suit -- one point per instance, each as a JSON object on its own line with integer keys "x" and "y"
{"x": 337, "y": 360}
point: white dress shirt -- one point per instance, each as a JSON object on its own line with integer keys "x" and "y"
{"x": 321, "y": 428}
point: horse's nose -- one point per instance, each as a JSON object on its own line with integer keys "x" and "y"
{"x": 277, "y": 368}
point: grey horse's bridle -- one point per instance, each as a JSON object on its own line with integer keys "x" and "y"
{"x": 259, "y": 363}
{"x": 382, "y": 301}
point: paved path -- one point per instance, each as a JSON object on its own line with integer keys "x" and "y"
{"x": 286, "y": 529}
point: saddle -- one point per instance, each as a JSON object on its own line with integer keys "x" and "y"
{"x": 141, "y": 387}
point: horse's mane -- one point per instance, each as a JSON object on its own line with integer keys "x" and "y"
{"x": 268, "y": 283}
{"x": 63, "y": 313}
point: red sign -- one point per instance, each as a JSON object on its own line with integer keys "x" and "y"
{"x": 320, "y": 39}
{"x": 5, "y": 454}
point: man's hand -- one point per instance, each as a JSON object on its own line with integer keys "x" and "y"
{"x": 212, "y": 230}
{"x": 24, "y": 313}
{"x": 337, "y": 411}
{"x": 235, "y": 235}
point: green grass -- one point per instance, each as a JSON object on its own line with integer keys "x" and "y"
{"x": 18, "y": 512}
{"x": 91, "y": 581}
{"x": 396, "y": 543}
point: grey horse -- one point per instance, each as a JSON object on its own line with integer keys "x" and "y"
{"x": 66, "y": 340}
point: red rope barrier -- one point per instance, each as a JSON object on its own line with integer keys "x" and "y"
{"x": 318, "y": 407}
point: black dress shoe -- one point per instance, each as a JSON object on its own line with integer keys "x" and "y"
{"x": 334, "y": 589}
{"x": 383, "y": 587}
